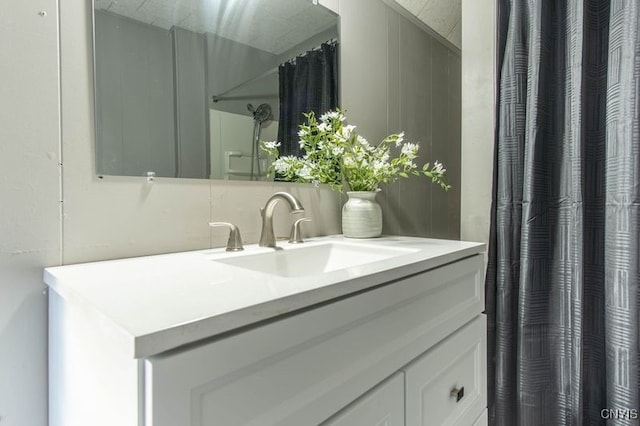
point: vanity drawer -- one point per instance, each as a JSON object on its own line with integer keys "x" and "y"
{"x": 305, "y": 368}
{"x": 383, "y": 405}
{"x": 447, "y": 385}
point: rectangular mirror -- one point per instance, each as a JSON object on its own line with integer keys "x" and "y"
{"x": 186, "y": 88}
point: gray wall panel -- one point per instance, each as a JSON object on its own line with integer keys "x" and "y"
{"x": 455, "y": 147}
{"x": 413, "y": 80}
{"x": 391, "y": 196}
{"x": 191, "y": 101}
{"x": 416, "y": 53}
{"x": 363, "y": 71}
{"x": 135, "y": 115}
{"x": 443, "y": 149}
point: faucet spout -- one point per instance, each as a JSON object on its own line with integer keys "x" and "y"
{"x": 267, "y": 237}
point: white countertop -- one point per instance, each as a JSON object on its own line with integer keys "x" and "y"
{"x": 158, "y": 303}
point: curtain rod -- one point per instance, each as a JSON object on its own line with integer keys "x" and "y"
{"x": 216, "y": 98}
{"x": 332, "y": 41}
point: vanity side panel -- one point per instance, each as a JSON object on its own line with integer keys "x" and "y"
{"x": 305, "y": 368}
{"x": 91, "y": 380}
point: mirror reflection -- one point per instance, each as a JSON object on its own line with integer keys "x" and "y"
{"x": 186, "y": 88}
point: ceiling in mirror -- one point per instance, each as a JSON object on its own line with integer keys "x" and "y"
{"x": 179, "y": 83}
{"x": 275, "y": 25}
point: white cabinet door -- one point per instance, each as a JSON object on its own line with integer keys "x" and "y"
{"x": 382, "y": 406}
{"x": 447, "y": 385}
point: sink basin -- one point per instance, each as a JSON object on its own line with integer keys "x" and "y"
{"x": 313, "y": 260}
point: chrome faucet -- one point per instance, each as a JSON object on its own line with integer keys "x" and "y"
{"x": 267, "y": 238}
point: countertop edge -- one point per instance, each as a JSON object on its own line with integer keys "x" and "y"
{"x": 208, "y": 328}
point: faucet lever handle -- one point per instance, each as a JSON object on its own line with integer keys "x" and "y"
{"x": 296, "y": 236}
{"x": 235, "y": 240}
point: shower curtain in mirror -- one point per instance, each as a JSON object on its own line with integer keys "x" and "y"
{"x": 309, "y": 83}
{"x": 562, "y": 281}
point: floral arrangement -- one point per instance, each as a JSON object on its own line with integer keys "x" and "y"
{"x": 336, "y": 155}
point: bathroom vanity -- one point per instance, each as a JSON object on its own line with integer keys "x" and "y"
{"x": 332, "y": 331}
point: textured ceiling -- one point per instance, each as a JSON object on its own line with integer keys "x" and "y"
{"x": 443, "y": 16}
{"x": 275, "y": 26}
{"x": 272, "y": 26}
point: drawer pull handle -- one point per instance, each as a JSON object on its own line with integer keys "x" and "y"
{"x": 457, "y": 393}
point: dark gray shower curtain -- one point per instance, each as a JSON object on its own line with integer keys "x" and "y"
{"x": 309, "y": 83}
{"x": 562, "y": 280}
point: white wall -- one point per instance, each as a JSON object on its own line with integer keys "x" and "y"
{"x": 478, "y": 116}
{"x": 29, "y": 202}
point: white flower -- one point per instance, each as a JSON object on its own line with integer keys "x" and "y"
{"x": 378, "y": 165}
{"x": 271, "y": 144}
{"x": 346, "y": 131}
{"x": 332, "y": 115}
{"x": 282, "y": 164}
{"x": 332, "y": 152}
{"x": 410, "y": 150}
{"x": 365, "y": 163}
{"x": 348, "y": 160}
{"x": 305, "y": 172}
{"x": 326, "y": 116}
{"x": 364, "y": 143}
